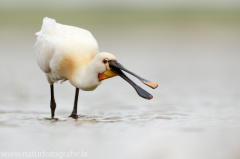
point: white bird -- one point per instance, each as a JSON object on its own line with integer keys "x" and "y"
{"x": 70, "y": 53}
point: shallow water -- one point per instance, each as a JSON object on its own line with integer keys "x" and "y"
{"x": 194, "y": 112}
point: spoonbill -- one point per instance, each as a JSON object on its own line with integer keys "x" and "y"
{"x": 70, "y": 53}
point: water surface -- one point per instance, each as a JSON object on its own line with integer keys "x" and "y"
{"x": 194, "y": 112}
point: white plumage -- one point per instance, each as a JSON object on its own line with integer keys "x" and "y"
{"x": 69, "y": 53}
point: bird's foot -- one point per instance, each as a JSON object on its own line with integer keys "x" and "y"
{"x": 74, "y": 116}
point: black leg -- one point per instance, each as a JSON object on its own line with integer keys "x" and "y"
{"x": 52, "y": 102}
{"x": 74, "y": 112}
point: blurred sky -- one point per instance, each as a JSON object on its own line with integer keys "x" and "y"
{"x": 123, "y": 3}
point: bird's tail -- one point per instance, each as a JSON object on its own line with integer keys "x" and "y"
{"x": 47, "y": 26}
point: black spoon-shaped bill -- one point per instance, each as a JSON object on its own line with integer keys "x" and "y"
{"x": 146, "y": 82}
{"x": 141, "y": 92}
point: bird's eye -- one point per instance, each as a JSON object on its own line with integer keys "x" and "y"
{"x": 104, "y": 61}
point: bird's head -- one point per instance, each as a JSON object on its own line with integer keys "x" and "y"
{"x": 107, "y": 67}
